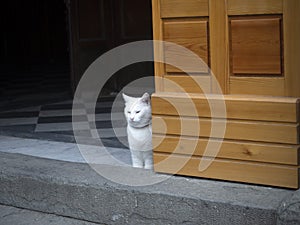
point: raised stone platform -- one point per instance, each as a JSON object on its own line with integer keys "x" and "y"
{"x": 76, "y": 191}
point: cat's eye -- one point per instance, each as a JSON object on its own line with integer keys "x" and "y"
{"x": 138, "y": 111}
{"x": 129, "y": 112}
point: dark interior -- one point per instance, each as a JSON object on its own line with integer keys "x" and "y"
{"x": 36, "y": 53}
{"x": 34, "y": 47}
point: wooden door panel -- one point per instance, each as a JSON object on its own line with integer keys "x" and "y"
{"x": 274, "y": 61}
{"x": 273, "y": 86}
{"x": 184, "y": 23}
{"x": 132, "y": 24}
{"x": 253, "y": 7}
{"x": 186, "y": 8}
{"x": 90, "y": 34}
{"x": 257, "y": 62}
{"x": 100, "y": 25}
{"x": 256, "y": 152}
{"x": 244, "y": 108}
{"x": 235, "y": 129}
{"x": 241, "y": 171}
{"x": 91, "y": 20}
{"x": 192, "y": 35}
{"x": 291, "y": 35}
{"x": 255, "y": 46}
{"x": 178, "y": 83}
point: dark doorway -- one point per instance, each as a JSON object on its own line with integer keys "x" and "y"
{"x": 34, "y": 49}
{"x": 100, "y": 25}
{"x": 46, "y": 45}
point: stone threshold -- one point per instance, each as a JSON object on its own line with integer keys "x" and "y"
{"x": 75, "y": 190}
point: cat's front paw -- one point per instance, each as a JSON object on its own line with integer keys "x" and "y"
{"x": 148, "y": 167}
{"x": 136, "y": 164}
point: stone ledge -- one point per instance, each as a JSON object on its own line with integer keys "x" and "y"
{"x": 77, "y": 191}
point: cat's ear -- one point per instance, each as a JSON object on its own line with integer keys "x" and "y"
{"x": 126, "y": 98}
{"x": 146, "y": 98}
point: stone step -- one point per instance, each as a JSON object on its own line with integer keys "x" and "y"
{"x": 75, "y": 190}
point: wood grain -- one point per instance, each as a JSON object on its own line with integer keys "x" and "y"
{"x": 219, "y": 45}
{"x": 193, "y": 35}
{"x": 291, "y": 24}
{"x": 190, "y": 84}
{"x": 258, "y": 173}
{"x": 237, "y": 106}
{"x": 256, "y": 46}
{"x": 186, "y": 8}
{"x": 235, "y": 130}
{"x": 252, "y": 7}
{"x": 240, "y": 150}
{"x": 253, "y": 49}
{"x": 157, "y": 48}
{"x": 273, "y": 86}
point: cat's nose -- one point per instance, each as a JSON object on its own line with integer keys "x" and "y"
{"x": 131, "y": 118}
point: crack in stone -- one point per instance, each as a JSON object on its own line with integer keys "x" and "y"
{"x": 143, "y": 217}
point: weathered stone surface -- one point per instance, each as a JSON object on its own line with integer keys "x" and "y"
{"x": 289, "y": 210}
{"x": 16, "y": 216}
{"x": 77, "y": 191}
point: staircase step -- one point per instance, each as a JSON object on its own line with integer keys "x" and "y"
{"x": 75, "y": 190}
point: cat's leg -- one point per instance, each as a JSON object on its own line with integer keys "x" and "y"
{"x": 148, "y": 158}
{"x": 137, "y": 159}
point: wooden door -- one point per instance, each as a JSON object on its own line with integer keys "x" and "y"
{"x": 253, "y": 49}
{"x": 100, "y": 25}
{"x": 132, "y": 22}
{"x": 90, "y": 33}
{"x": 251, "y": 46}
{"x": 261, "y": 46}
{"x": 185, "y": 23}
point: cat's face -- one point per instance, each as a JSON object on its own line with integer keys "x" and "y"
{"x": 137, "y": 110}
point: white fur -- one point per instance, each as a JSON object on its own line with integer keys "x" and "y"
{"x": 139, "y": 130}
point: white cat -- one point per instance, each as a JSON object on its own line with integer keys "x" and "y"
{"x": 139, "y": 130}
